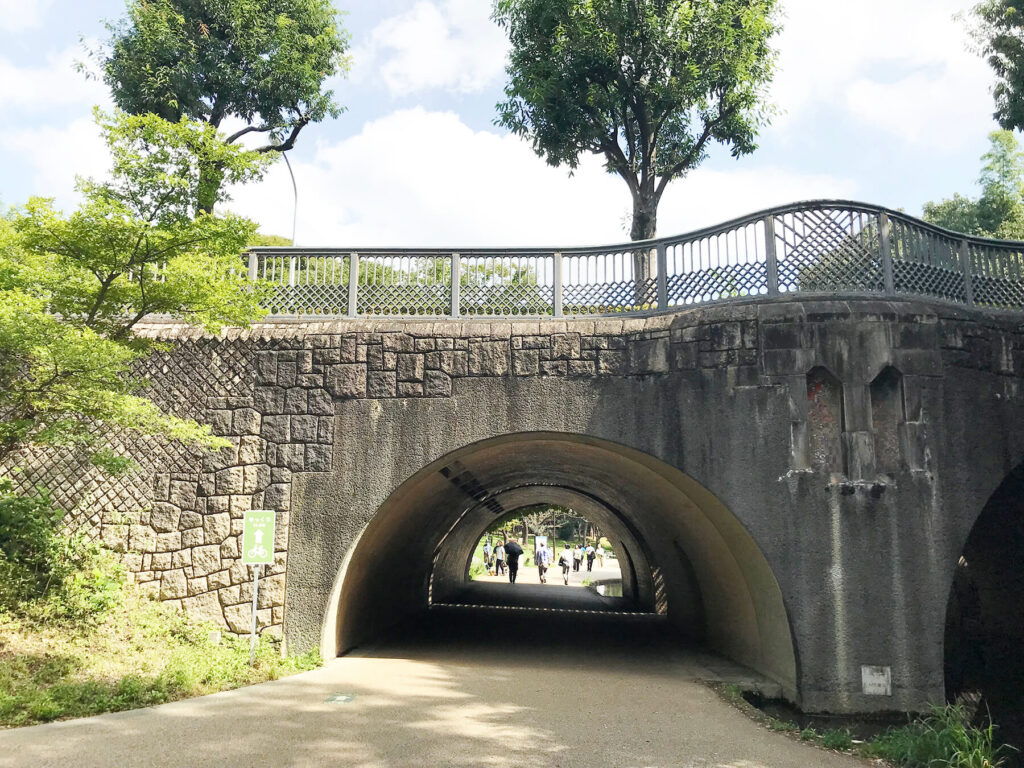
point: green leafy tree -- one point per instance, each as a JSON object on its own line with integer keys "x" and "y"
{"x": 999, "y": 32}
{"x": 74, "y": 287}
{"x": 262, "y": 63}
{"x": 999, "y": 210}
{"x": 646, "y": 84}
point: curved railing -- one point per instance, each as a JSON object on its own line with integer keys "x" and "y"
{"x": 816, "y": 247}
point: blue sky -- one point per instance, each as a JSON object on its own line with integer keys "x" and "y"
{"x": 882, "y": 103}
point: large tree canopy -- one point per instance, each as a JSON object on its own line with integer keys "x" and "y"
{"x": 74, "y": 286}
{"x": 999, "y": 210}
{"x": 999, "y": 32}
{"x": 260, "y": 62}
{"x": 647, "y": 84}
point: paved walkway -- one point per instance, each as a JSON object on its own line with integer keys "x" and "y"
{"x": 501, "y": 704}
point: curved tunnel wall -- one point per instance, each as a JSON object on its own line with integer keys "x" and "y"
{"x": 736, "y": 602}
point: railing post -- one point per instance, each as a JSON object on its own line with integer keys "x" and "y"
{"x": 965, "y": 265}
{"x": 771, "y": 260}
{"x": 253, "y": 260}
{"x": 662, "y": 256}
{"x": 456, "y": 282}
{"x": 885, "y": 252}
{"x": 558, "y": 283}
{"x": 353, "y": 284}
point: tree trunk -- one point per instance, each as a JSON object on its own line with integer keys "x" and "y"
{"x": 645, "y": 227}
{"x": 210, "y": 180}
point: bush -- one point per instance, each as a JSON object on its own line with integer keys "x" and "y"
{"x": 48, "y": 573}
{"x": 837, "y": 738}
{"x": 944, "y": 737}
{"x": 477, "y": 568}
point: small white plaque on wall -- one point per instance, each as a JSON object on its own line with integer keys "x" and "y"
{"x": 876, "y": 681}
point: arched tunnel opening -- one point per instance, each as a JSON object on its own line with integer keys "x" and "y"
{"x": 985, "y": 615}
{"x": 688, "y": 567}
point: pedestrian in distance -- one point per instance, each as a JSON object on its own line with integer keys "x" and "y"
{"x": 565, "y": 560}
{"x": 488, "y": 551}
{"x": 577, "y": 557}
{"x": 542, "y": 559}
{"x": 512, "y": 554}
{"x": 499, "y": 560}
{"x": 591, "y": 553}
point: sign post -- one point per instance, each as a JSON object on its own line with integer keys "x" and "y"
{"x": 257, "y": 551}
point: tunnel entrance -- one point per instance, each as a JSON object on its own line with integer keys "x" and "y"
{"x": 686, "y": 563}
{"x": 985, "y": 614}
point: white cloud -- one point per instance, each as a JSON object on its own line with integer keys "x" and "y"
{"x": 902, "y": 67}
{"x": 58, "y": 155}
{"x": 425, "y": 178}
{"x": 19, "y": 15}
{"x": 451, "y": 45}
{"x": 53, "y": 85}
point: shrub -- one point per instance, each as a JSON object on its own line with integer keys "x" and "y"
{"x": 837, "y": 738}
{"x": 45, "y": 571}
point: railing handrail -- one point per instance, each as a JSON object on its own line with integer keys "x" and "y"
{"x": 634, "y": 245}
{"x": 806, "y": 247}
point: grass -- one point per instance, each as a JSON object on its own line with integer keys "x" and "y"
{"x": 140, "y": 653}
{"x": 944, "y": 738}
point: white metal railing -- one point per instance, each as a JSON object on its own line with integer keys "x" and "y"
{"x": 824, "y": 246}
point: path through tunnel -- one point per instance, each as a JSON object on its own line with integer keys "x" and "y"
{"x": 689, "y": 568}
{"x": 985, "y": 615}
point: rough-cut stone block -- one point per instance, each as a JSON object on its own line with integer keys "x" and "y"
{"x": 192, "y": 537}
{"x": 220, "y": 579}
{"x": 410, "y": 367}
{"x": 277, "y": 496}
{"x": 183, "y": 494}
{"x": 203, "y": 607}
{"x": 189, "y": 519}
{"x": 219, "y": 421}
{"x": 286, "y": 373}
{"x": 582, "y": 367}
{"x": 271, "y": 592}
{"x": 206, "y": 560}
{"x": 230, "y": 547}
{"x": 269, "y": 400}
{"x": 181, "y": 559}
{"x": 565, "y": 346}
{"x": 438, "y": 384}
{"x": 246, "y": 421}
{"x": 276, "y": 429}
{"x": 381, "y": 384}
{"x": 611, "y": 362}
{"x": 291, "y": 456}
{"x": 296, "y": 401}
{"x": 161, "y": 561}
{"x": 238, "y": 617}
{"x": 320, "y": 403}
{"x": 525, "y": 362}
{"x": 649, "y": 356}
{"x": 216, "y": 528}
{"x": 554, "y": 368}
{"x": 347, "y": 380}
{"x": 410, "y": 389}
{"x": 303, "y": 429}
{"x": 230, "y": 480}
{"x": 197, "y": 586}
{"x": 164, "y": 517}
{"x": 173, "y": 584}
{"x": 252, "y": 450}
{"x": 489, "y": 358}
{"x": 398, "y": 342}
{"x": 168, "y": 542}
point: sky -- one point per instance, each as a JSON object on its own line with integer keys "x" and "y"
{"x": 882, "y": 101}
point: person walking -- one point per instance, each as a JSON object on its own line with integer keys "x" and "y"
{"x": 542, "y": 559}
{"x": 499, "y": 560}
{"x": 488, "y": 551}
{"x": 565, "y": 560}
{"x": 512, "y": 554}
{"x": 590, "y": 557}
{"x": 577, "y": 557}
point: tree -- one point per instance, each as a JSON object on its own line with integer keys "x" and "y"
{"x": 73, "y": 287}
{"x": 645, "y": 84}
{"x": 999, "y": 33}
{"x": 262, "y": 63}
{"x": 999, "y": 210}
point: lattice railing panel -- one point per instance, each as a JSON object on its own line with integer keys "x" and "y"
{"x": 517, "y": 285}
{"x": 828, "y": 249}
{"x": 926, "y": 263}
{"x": 606, "y": 283}
{"x": 404, "y": 285}
{"x": 718, "y": 283}
{"x": 718, "y": 266}
{"x": 997, "y": 276}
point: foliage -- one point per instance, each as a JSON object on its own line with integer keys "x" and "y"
{"x": 273, "y": 241}
{"x": 943, "y": 737}
{"x": 646, "y": 84}
{"x": 73, "y": 287}
{"x": 999, "y": 210}
{"x": 997, "y": 32}
{"x": 144, "y": 653}
{"x": 837, "y": 738}
{"x": 261, "y": 62}
{"x": 46, "y": 573}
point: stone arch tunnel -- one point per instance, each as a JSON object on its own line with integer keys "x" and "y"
{"x": 802, "y": 473}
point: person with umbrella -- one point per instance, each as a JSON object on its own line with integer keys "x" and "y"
{"x": 512, "y": 553}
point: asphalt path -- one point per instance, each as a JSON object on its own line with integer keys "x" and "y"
{"x": 528, "y": 690}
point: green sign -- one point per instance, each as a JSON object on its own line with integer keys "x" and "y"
{"x": 258, "y": 537}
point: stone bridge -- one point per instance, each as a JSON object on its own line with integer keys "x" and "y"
{"x": 796, "y": 482}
